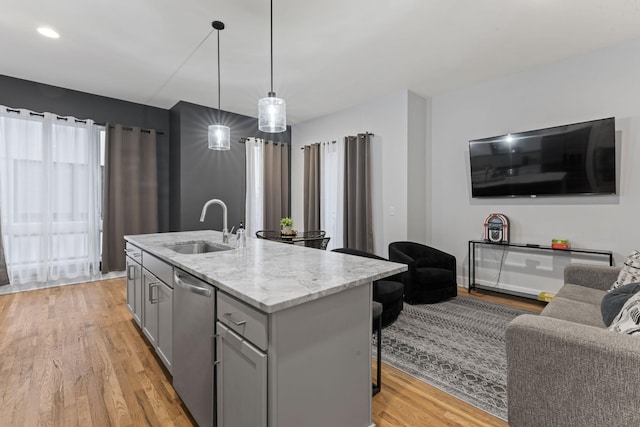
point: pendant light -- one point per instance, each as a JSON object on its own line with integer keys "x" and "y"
{"x": 272, "y": 111}
{"x": 219, "y": 136}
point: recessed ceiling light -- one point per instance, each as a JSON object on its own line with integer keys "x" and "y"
{"x": 48, "y": 32}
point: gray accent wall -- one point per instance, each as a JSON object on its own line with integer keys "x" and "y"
{"x": 39, "y": 97}
{"x": 199, "y": 174}
{"x": 189, "y": 173}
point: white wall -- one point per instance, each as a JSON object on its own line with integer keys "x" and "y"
{"x": 387, "y": 118}
{"x": 598, "y": 85}
{"x": 418, "y": 176}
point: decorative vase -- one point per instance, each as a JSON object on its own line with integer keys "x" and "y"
{"x": 286, "y": 229}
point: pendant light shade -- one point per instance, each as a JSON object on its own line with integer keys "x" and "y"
{"x": 272, "y": 114}
{"x": 272, "y": 111}
{"x": 218, "y": 135}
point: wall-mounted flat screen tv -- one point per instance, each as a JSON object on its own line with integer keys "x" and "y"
{"x": 564, "y": 160}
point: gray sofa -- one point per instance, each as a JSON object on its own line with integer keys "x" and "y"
{"x": 564, "y": 368}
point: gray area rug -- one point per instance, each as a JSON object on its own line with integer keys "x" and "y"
{"x": 457, "y": 346}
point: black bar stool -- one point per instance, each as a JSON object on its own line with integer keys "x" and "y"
{"x": 376, "y": 317}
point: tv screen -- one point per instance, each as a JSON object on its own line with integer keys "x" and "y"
{"x": 562, "y": 160}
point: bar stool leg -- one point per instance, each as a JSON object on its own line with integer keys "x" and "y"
{"x": 378, "y": 385}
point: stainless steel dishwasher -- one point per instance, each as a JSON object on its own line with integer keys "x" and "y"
{"x": 194, "y": 303}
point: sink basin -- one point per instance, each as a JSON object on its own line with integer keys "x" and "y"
{"x": 200, "y": 247}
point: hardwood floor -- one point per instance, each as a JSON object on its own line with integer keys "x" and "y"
{"x": 72, "y": 356}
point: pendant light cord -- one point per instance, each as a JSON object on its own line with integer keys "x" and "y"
{"x": 162, "y": 86}
{"x": 218, "y": 76}
{"x": 271, "y": 45}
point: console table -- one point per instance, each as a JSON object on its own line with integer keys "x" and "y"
{"x": 474, "y": 243}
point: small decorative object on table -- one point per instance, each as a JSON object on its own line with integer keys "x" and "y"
{"x": 546, "y": 296}
{"x": 496, "y": 229}
{"x": 286, "y": 223}
{"x": 560, "y": 244}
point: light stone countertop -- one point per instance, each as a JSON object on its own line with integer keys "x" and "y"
{"x": 268, "y": 275}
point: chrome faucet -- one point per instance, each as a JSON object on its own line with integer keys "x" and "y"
{"x": 225, "y": 231}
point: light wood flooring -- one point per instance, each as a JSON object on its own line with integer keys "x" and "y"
{"x": 72, "y": 356}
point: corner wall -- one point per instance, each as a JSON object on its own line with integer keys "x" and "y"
{"x": 199, "y": 174}
{"x": 597, "y": 85}
{"x": 417, "y": 172}
{"x": 397, "y": 131}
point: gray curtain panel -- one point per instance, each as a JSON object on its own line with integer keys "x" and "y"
{"x": 311, "y": 195}
{"x": 4, "y": 276}
{"x": 358, "y": 223}
{"x": 276, "y": 184}
{"x": 130, "y": 191}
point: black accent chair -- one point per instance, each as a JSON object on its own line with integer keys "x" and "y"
{"x": 432, "y": 273}
{"x": 387, "y": 291}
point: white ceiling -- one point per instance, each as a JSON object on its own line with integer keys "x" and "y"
{"x": 328, "y": 55}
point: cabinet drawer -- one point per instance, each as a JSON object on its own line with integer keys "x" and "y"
{"x": 159, "y": 268}
{"x": 134, "y": 252}
{"x": 242, "y": 319}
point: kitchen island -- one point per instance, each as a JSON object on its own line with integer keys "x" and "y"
{"x": 292, "y": 327}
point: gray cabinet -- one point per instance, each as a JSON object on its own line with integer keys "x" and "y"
{"x": 150, "y": 319}
{"x": 235, "y": 365}
{"x": 241, "y": 381}
{"x": 157, "y": 319}
{"x": 241, "y": 364}
{"x": 134, "y": 282}
{"x": 165, "y": 325}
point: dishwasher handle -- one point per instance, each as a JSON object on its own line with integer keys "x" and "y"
{"x": 182, "y": 282}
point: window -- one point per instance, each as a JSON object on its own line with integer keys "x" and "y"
{"x": 49, "y": 196}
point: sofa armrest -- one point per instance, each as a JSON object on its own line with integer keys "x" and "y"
{"x": 561, "y": 373}
{"x": 592, "y": 276}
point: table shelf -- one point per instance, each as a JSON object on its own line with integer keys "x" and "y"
{"x": 474, "y": 243}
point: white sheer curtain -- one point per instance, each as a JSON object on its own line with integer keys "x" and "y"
{"x": 332, "y": 192}
{"x": 49, "y": 196}
{"x": 254, "y": 206}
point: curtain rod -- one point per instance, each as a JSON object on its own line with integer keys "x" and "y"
{"x": 333, "y": 142}
{"x": 130, "y": 128}
{"x": 243, "y": 140}
{"x": 31, "y": 113}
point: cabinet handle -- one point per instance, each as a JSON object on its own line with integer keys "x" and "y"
{"x": 178, "y": 280}
{"x": 132, "y": 252}
{"x": 129, "y": 275}
{"x": 235, "y": 322}
{"x": 214, "y": 339}
{"x": 151, "y": 286}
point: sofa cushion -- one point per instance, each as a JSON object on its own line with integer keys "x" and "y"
{"x": 630, "y": 272}
{"x": 628, "y": 320}
{"x": 581, "y": 293}
{"x": 574, "y": 311}
{"x": 613, "y": 302}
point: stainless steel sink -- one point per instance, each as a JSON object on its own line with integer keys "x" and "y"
{"x": 199, "y": 247}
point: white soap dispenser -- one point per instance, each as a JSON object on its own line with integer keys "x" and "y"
{"x": 241, "y": 237}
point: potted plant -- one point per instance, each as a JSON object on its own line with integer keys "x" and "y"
{"x": 286, "y": 223}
